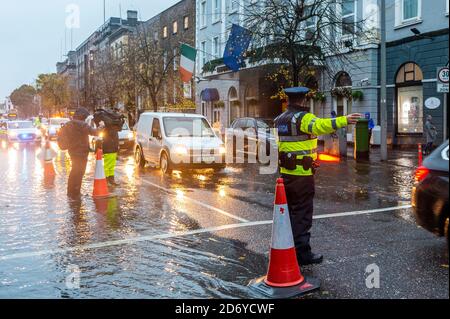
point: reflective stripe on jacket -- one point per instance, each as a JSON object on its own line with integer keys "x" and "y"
{"x": 302, "y": 145}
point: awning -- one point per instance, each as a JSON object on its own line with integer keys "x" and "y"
{"x": 210, "y": 95}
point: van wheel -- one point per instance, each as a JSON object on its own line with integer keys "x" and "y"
{"x": 165, "y": 164}
{"x": 139, "y": 158}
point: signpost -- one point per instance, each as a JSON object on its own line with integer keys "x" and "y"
{"x": 443, "y": 87}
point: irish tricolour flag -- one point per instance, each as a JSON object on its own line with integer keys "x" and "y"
{"x": 187, "y": 62}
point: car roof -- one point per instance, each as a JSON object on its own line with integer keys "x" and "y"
{"x": 164, "y": 114}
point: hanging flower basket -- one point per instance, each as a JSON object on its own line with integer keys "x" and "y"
{"x": 342, "y": 92}
{"x": 357, "y": 95}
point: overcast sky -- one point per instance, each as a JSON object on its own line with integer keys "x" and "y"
{"x": 33, "y": 31}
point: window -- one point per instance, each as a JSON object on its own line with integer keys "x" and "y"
{"x": 216, "y": 47}
{"x": 175, "y": 27}
{"x": 410, "y": 99}
{"x": 203, "y": 53}
{"x": 348, "y": 17}
{"x": 410, "y": 9}
{"x": 156, "y": 129}
{"x": 186, "y": 23}
{"x": 165, "y": 59}
{"x": 165, "y": 34}
{"x": 175, "y": 62}
{"x": 155, "y": 36}
{"x": 203, "y": 14}
{"x": 216, "y": 10}
{"x": 310, "y": 23}
{"x": 234, "y": 5}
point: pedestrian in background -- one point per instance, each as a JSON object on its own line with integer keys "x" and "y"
{"x": 74, "y": 137}
{"x": 431, "y": 133}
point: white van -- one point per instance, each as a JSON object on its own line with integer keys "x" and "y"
{"x": 178, "y": 141}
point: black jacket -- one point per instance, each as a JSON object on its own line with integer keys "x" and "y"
{"x": 110, "y": 140}
{"x": 78, "y": 136}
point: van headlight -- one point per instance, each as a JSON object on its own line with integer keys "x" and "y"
{"x": 180, "y": 150}
{"x": 130, "y": 136}
{"x": 12, "y": 134}
{"x": 222, "y": 150}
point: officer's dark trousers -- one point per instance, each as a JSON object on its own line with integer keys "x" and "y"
{"x": 76, "y": 176}
{"x": 300, "y": 192}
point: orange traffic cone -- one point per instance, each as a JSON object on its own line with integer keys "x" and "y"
{"x": 100, "y": 184}
{"x": 284, "y": 278}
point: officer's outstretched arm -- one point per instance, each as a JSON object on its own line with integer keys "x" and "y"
{"x": 317, "y": 126}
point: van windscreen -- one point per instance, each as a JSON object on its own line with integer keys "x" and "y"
{"x": 187, "y": 127}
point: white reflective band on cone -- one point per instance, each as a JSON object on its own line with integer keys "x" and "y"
{"x": 99, "y": 170}
{"x": 282, "y": 232}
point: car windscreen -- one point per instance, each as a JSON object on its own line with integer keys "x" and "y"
{"x": 187, "y": 127}
{"x": 125, "y": 127}
{"x": 58, "y": 121}
{"x": 19, "y": 125}
{"x": 438, "y": 159}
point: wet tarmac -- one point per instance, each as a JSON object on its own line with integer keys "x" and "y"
{"x": 197, "y": 234}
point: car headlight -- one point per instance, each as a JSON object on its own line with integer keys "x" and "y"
{"x": 38, "y": 133}
{"x": 130, "y": 136}
{"x": 12, "y": 134}
{"x": 180, "y": 150}
{"x": 222, "y": 150}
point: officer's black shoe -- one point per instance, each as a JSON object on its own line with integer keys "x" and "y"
{"x": 310, "y": 259}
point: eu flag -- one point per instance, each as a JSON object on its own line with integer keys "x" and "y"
{"x": 237, "y": 44}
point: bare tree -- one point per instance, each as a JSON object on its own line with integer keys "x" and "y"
{"x": 303, "y": 36}
{"x": 152, "y": 63}
{"x": 107, "y": 77}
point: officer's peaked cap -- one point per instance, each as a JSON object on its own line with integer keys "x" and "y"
{"x": 296, "y": 91}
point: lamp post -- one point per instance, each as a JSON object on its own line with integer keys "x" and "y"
{"x": 383, "y": 104}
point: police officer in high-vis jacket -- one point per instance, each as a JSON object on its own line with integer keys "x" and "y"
{"x": 298, "y": 130}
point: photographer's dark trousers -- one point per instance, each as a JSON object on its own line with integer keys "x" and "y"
{"x": 300, "y": 191}
{"x": 76, "y": 176}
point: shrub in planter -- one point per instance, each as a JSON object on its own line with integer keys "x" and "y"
{"x": 357, "y": 95}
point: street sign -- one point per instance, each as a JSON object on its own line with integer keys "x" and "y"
{"x": 442, "y": 80}
{"x": 432, "y": 103}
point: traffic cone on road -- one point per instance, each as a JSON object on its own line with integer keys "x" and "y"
{"x": 284, "y": 278}
{"x": 100, "y": 183}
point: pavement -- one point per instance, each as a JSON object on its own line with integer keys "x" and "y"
{"x": 205, "y": 235}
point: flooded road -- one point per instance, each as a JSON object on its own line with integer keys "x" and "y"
{"x": 204, "y": 235}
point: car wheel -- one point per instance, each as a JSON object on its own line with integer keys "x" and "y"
{"x": 139, "y": 158}
{"x": 165, "y": 164}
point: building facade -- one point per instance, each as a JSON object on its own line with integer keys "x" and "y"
{"x": 169, "y": 29}
{"x": 223, "y": 95}
{"x": 68, "y": 68}
{"x": 417, "y": 45}
{"x": 112, "y": 35}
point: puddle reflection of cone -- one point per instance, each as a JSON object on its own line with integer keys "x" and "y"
{"x": 100, "y": 183}
{"x": 284, "y": 278}
{"x": 49, "y": 154}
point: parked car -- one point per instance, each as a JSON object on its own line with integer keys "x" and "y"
{"x": 126, "y": 138}
{"x": 54, "y": 125}
{"x": 178, "y": 141}
{"x": 22, "y": 132}
{"x": 430, "y": 192}
{"x": 256, "y": 132}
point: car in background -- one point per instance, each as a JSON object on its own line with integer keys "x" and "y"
{"x": 126, "y": 138}
{"x": 23, "y": 132}
{"x": 430, "y": 192}
{"x": 256, "y": 133}
{"x": 177, "y": 141}
{"x": 54, "y": 125}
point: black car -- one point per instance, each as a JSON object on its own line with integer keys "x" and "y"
{"x": 430, "y": 192}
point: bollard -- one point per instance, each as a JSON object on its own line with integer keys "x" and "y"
{"x": 420, "y": 154}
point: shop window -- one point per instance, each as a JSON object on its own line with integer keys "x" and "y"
{"x": 409, "y": 99}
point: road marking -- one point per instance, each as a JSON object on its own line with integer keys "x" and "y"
{"x": 133, "y": 240}
{"x": 218, "y": 210}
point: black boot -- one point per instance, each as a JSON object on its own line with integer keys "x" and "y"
{"x": 309, "y": 259}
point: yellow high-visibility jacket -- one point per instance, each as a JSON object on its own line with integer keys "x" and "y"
{"x": 297, "y": 133}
